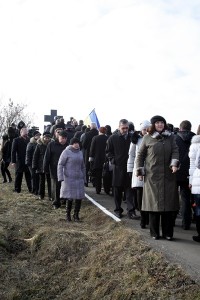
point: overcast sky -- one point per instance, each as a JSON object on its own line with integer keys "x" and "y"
{"x": 126, "y": 58}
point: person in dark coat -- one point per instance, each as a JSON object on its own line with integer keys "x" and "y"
{"x": 86, "y": 143}
{"x": 6, "y": 158}
{"x": 71, "y": 174}
{"x": 52, "y": 155}
{"x": 97, "y": 157}
{"x": 117, "y": 152}
{"x": 183, "y": 140}
{"x": 28, "y": 160}
{"x": 156, "y": 163}
{"x": 37, "y": 164}
{"x": 78, "y": 133}
{"x": 18, "y": 155}
{"x": 12, "y": 132}
{"x": 108, "y": 130}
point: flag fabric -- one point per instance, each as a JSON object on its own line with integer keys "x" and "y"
{"x": 92, "y": 117}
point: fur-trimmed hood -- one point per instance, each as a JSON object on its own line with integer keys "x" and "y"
{"x": 40, "y": 141}
{"x": 33, "y": 140}
{"x": 195, "y": 139}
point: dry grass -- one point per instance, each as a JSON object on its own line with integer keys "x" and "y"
{"x": 43, "y": 257}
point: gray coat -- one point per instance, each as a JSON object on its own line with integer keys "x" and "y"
{"x": 157, "y": 154}
{"x": 71, "y": 171}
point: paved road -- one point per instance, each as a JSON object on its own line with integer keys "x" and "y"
{"x": 182, "y": 250}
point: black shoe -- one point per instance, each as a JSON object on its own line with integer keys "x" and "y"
{"x": 118, "y": 214}
{"x": 196, "y": 238}
{"x": 169, "y": 238}
{"x": 155, "y": 237}
{"x": 86, "y": 184}
{"x": 142, "y": 226}
{"x": 186, "y": 227}
{"x": 5, "y": 180}
{"x": 133, "y": 216}
{"x": 40, "y": 198}
{"x": 56, "y": 204}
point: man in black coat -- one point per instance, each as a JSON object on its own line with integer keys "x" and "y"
{"x": 18, "y": 154}
{"x": 52, "y": 155}
{"x": 117, "y": 150}
{"x": 183, "y": 140}
{"x": 86, "y": 143}
{"x": 97, "y": 157}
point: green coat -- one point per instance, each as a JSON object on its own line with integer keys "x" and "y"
{"x": 156, "y": 155}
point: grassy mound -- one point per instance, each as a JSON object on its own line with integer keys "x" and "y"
{"x": 43, "y": 257}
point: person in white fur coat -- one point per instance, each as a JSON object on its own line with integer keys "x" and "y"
{"x": 194, "y": 180}
{"x": 136, "y": 183}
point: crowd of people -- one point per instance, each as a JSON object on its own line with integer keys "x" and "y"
{"x": 155, "y": 170}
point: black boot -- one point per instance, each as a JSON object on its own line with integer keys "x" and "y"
{"x": 77, "y": 209}
{"x": 68, "y": 210}
{"x": 4, "y": 177}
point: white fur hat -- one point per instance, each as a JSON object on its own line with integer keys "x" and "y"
{"x": 145, "y": 124}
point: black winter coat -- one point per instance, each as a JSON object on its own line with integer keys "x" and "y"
{"x": 29, "y": 151}
{"x": 51, "y": 157}
{"x": 86, "y": 143}
{"x": 117, "y": 150}
{"x": 6, "y": 152}
{"x": 38, "y": 156}
{"x": 183, "y": 140}
{"x": 97, "y": 151}
{"x": 18, "y": 153}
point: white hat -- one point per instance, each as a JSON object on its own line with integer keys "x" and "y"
{"x": 144, "y": 125}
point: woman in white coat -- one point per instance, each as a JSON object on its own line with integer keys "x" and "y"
{"x": 194, "y": 180}
{"x": 136, "y": 183}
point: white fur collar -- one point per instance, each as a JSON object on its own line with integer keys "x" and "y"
{"x": 157, "y": 135}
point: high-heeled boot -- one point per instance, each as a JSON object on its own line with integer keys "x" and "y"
{"x": 68, "y": 210}
{"x": 77, "y": 209}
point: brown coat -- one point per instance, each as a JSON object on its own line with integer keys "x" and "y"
{"x": 160, "y": 191}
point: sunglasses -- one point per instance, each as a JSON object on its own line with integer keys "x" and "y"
{"x": 123, "y": 128}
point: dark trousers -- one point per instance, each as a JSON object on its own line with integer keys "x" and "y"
{"x": 87, "y": 168}
{"x": 198, "y": 225}
{"x": 130, "y": 195}
{"x": 5, "y": 171}
{"x": 18, "y": 180}
{"x": 98, "y": 180}
{"x": 167, "y": 223}
{"x": 118, "y": 195}
{"x": 34, "y": 180}
{"x": 185, "y": 195}
{"x": 107, "y": 182}
{"x": 55, "y": 190}
{"x": 144, "y": 214}
{"x": 130, "y": 200}
{"x": 118, "y": 191}
{"x": 42, "y": 177}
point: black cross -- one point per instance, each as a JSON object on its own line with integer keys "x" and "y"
{"x": 50, "y": 118}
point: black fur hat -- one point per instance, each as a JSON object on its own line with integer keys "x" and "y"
{"x": 156, "y": 119}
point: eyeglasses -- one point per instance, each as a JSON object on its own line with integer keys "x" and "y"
{"x": 124, "y": 128}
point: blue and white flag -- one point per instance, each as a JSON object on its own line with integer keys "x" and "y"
{"x": 92, "y": 117}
